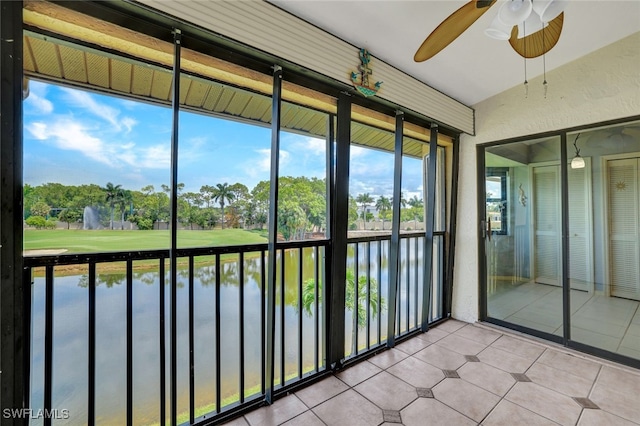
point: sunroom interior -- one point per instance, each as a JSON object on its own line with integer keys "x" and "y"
{"x": 500, "y": 233}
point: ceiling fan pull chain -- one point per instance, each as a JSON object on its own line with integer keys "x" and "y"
{"x": 544, "y": 65}
{"x": 526, "y": 82}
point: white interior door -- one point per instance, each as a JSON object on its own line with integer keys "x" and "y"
{"x": 580, "y": 228}
{"x": 624, "y": 250}
{"x": 546, "y": 224}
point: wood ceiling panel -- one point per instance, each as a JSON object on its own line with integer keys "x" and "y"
{"x": 213, "y": 97}
{"x": 73, "y": 64}
{"x": 97, "y": 70}
{"x": 256, "y": 107}
{"x": 120, "y": 78}
{"x": 47, "y": 61}
{"x": 27, "y": 56}
{"x": 197, "y": 93}
{"x": 142, "y": 80}
{"x": 161, "y": 87}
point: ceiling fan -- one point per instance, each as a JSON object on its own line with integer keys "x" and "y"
{"x": 532, "y": 27}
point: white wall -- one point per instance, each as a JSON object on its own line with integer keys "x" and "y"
{"x": 604, "y": 85}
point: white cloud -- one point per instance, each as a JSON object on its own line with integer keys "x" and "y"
{"x": 261, "y": 164}
{"x": 38, "y": 104}
{"x": 86, "y": 102}
{"x": 69, "y": 134}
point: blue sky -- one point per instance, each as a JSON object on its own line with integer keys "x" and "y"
{"x": 77, "y": 137}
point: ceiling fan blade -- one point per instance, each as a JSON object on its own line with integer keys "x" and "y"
{"x": 451, "y": 28}
{"x": 534, "y": 45}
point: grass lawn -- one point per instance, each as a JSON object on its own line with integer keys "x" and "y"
{"x": 81, "y": 241}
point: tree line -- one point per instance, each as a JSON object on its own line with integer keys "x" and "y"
{"x": 301, "y": 206}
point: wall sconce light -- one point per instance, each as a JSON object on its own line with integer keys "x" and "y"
{"x": 577, "y": 162}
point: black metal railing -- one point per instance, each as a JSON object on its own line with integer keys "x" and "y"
{"x": 300, "y": 342}
{"x": 366, "y": 329}
{"x": 221, "y": 323}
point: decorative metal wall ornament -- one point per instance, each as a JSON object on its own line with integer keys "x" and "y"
{"x": 360, "y": 79}
{"x": 521, "y": 196}
{"x": 621, "y": 186}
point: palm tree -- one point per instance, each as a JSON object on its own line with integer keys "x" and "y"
{"x": 124, "y": 200}
{"x": 365, "y": 200}
{"x": 359, "y": 302}
{"x": 383, "y": 205}
{"x": 415, "y": 202}
{"x": 112, "y": 195}
{"x": 221, "y": 194}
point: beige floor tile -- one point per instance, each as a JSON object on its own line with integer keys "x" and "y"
{"x": 450, "y": 325}
{"x": 387, "y": 358}
{"x": 387, "y": 391}
{"x": 417, "y": 373}
{"x": 349, "y": 407}
{"x": 321, "y": 391}
{"x": 632, "y": 353}
{"x": 478, "y": 334}
{"x": 465, "y": 398}
{"x": 559, "y": 380}
{"x": 412, "y": 345}
{"x": 433, "y": 335}
{"x": 308, "y": 418}
{"x": 631, "y": 341}
{"x": 487, "y": 377}
{"x": 358, "y": 373}
{"x": 599, "y": 325}
{"x": 282, "y": 410}
{"x": 519, "y": 347}
{"x": 509, "y": 414}
{"x": 545, "y": 402}
{"x": 428, "y": 411}
{"x": 533, "y": 324}
{"x": 441, "y": 357}
{"x": 570, "y": 363}
{"x": 505, "y": 361}
{"x": 461, "y": 345}
{"x": 601, "y": 418}
{"x": 598, "y": 340}
{"x": 616, "y": 391}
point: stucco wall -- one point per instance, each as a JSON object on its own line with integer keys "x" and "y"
{"x": 602, "y": 86}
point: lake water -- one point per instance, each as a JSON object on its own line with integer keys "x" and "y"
{"x": 70, "y": 362}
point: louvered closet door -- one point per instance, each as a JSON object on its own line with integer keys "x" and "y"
{"x": 580, "y": 257}
{"x": 624, "y": 247}
{"x": 546, "y": 222}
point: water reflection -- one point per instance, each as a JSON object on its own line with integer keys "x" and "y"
{"x": 70, "y": 363}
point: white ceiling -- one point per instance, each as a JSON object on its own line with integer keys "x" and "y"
{"x": 473, "y": 67}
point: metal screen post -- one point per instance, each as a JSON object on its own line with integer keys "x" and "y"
{"x": 273, "y": 233}
{"x": 394, "y": 244}
{"x": 340, "y": 213}
{"x": 14, "y": 290}
{"x": 429, "y": 218}
{"x": 173, "y": 260}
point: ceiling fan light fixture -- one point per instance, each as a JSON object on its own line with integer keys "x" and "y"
{"x": 498, "y": 29}
{"x": 531, "y": 25}
{"x": 577, "y": 162}
{"x": 549, "y": 9}
{"x": 514, "y": 12}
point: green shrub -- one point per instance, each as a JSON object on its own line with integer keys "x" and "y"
{"x": 37, "y": 222}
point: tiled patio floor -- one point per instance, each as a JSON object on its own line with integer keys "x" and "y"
{"x": 465, "y": 374}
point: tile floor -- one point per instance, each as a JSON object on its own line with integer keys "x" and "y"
{"x": 609, "y": 323}
{"x": 465, "y": 374}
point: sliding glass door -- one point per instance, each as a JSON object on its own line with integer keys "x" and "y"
{"x": 561, "y": 239}
{"x": 522, "y": 237}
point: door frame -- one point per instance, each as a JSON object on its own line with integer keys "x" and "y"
{"x": 604, "y": 159}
